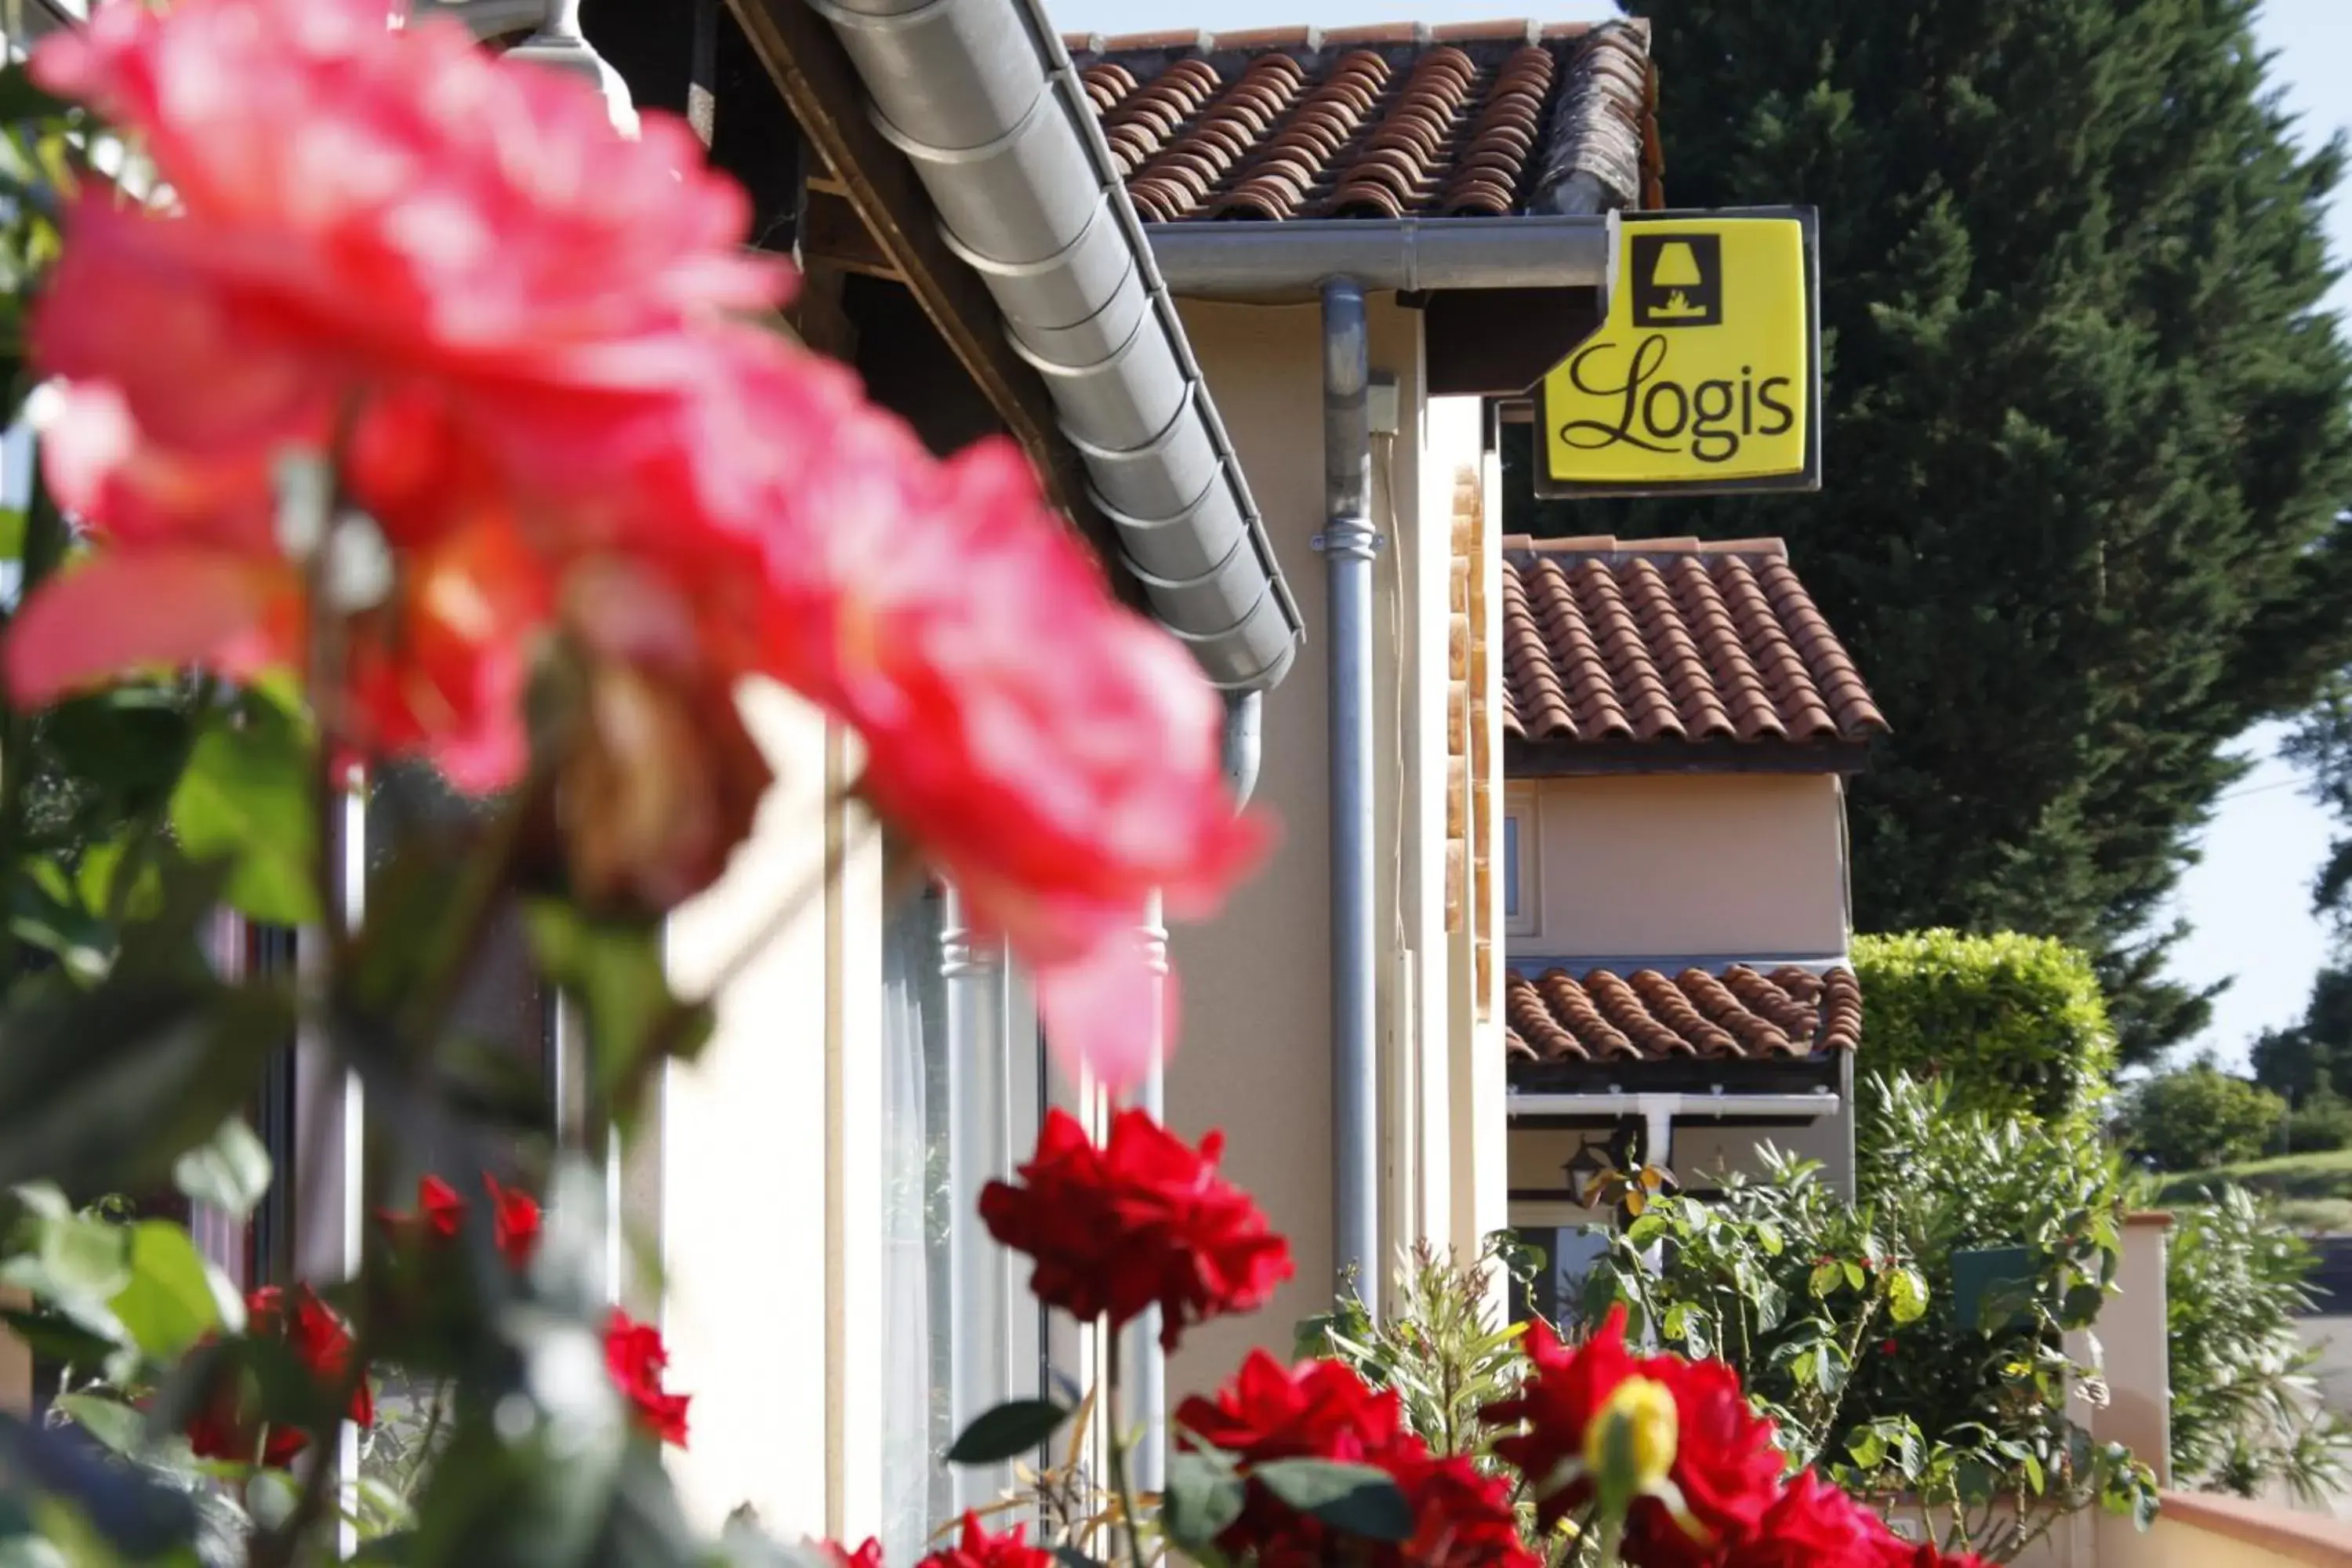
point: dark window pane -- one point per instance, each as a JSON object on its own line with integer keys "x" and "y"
{"x": 1511, "y": 867}
{"x": 500, "y": 1023}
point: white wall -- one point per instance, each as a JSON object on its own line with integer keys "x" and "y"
{"x": 764, "y": 1184}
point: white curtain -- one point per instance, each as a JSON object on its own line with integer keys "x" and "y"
{"x": 915, "y": 1493}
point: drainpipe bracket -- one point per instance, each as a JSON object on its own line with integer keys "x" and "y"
{"x": 1361, "y": 543}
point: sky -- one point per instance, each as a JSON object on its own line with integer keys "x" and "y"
{"x": 2248, "y": 900}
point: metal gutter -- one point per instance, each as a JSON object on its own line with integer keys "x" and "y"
{"x": 1270, "y": 263}
{"x": 981, "y": 98}
{"x": 1810, "y": 1107}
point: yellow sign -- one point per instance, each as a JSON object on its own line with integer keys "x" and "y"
{"x": 1702, "y": 376}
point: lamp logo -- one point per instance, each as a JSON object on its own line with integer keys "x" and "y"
{"x": 1677, "y": 280}
{"x": 1703, "y": 374}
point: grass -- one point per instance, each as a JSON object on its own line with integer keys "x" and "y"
{"x": 2312, "y": 1192}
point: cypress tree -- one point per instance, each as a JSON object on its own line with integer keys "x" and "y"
{"x": 2087, "y": 447}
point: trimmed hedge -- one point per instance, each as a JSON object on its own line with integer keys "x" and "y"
{"x": 2013, "y": 1023}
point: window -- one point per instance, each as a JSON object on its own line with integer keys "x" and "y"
{"x": 1556, "y": 1293}
{"x": 1511, "y": 867}
{"x": 963, "y": 1086}
{"x": 503, "y": 1045}
{"x": 1522, "y": 890}
{"x": 502, "y": 1022}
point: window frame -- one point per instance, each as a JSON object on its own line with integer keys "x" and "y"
{"x": 1521, "y": 833}
{"x": 1007, "y": 1346}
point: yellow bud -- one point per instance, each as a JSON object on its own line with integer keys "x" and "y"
{"x": 1629, "y": 1450}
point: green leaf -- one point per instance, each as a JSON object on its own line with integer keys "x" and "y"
{"x": 616, "y": 971}
{"x": 173, "y": 1297}
{"x": 111, "y": 1421}
{"x": 60, "y": 1338}
{"x": 103, "y": 1091}
{"x": 1356, "y": 1498}
{"x": 246, "y": 798}
{"x": 1016, "y": 1427}
{"x": 1868, "y": 1449}
{"x": 231, "y": 1173}
{"x": 1854, "y": 1276}
{"x": 1824, "y": 1278}
{"x": 1907, "y": 1295}
{"x": 85, "y": 1259}
{"x": 20, "y": 100}
{"x": 2082, "y": 1305}
{"x": 1203, "y": 1496}
{"x": 82, "y": 942}
{"x": 120, "y": 882}
{"x": 139, "y": 1518}
{"x": 2032, "y": 1468}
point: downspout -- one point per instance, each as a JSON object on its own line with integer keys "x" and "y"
{"x": 1348, "y": 545}
{"x": 1147, "y": 1364}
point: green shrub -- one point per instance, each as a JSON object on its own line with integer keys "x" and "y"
{"x": 1847, "y": 1324}
{"x": 2320, "y": 1125}
{"x": 2008, "y": 1023}
{"x": 2245, "y": 1409}
{"x": 2200, "y": 1116}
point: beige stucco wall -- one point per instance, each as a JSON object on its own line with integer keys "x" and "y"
{"x": 1647, "y": 864}
{"x": 1254, "y": 1046}
{"x": 2205, "y": 1531}
{"x": 760, "y": 1179}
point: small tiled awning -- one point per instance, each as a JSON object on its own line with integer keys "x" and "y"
{"x": 1667, "y": 642}
{"x": 1741, "y": 1013}
{"x": 1399, "y": 120}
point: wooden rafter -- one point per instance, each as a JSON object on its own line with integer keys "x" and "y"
{"x": 815, "y": 74}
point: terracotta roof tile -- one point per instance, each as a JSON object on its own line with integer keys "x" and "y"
{"x": 1670, "y": 640}
{"x": 1741, "y": 1013}
{"x": 1389, "y": 120}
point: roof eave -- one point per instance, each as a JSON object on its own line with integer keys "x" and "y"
{"x": 1535, "y": 759}
{"x": 981, "y": 98}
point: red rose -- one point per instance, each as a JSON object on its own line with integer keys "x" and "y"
{"x": 1897, "y": 1552}
{"x": 636, "y": 1356}
{"x": 1461, "y": 1519}
{"x": 1315, "y": 1410}
{"x": 514, "y": 1221}
{"x": 439, "y": 1202}
{"x": 868, "y": 1555}
{"x": 229, "y": 1428}
{"x": 441, "y": 1213}
{"x": 1321, "y": 1409}
{"x": 1812, "y": 1524}
{"x": 978, "y": 1548}
{"x": 1142, "y": 1221}
{"x": 1724, "y": 1467}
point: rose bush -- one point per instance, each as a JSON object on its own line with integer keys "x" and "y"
{"x": 550, "y": 426}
